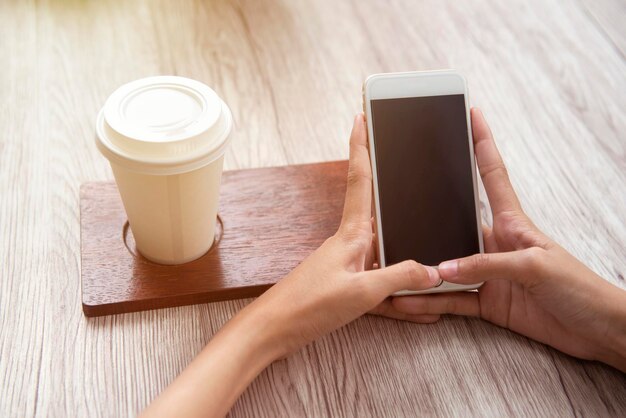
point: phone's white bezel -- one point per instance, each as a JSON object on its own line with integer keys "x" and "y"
{"x": 417, "y": 84}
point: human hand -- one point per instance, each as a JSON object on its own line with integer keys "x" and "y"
{"x": 532, "y": 285}
{"x": 332, "y": 286}
{"x": 329, "y": 289}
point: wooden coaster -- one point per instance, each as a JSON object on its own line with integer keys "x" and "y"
{"x": 271, "y": 219}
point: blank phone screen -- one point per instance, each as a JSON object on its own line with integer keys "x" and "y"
{"x": 425, "y": 185}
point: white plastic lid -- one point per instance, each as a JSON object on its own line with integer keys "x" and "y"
{"x": 163, "y": 125}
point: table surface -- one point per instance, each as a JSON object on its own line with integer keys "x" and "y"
{"x": 549, "y": 75}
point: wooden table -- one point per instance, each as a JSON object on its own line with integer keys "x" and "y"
{"x": 550, "y": 76}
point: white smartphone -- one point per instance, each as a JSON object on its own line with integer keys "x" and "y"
{"x": 425, "y": 191}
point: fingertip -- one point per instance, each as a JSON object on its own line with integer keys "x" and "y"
{"x": 433, "y": 276}
{"x": 358, "y": 135}
{"x": 407, "y": 275}
{"x": 422, "y": 277}
{"x": 480, "y": 128}
{"x": 476, "y": 110}
{"x": 359, "y": 119}
{"x": 448, "y": 270}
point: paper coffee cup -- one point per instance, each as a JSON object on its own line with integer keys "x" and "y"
{"x": 165, "y": 138}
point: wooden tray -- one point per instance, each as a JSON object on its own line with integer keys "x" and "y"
{"x": 271, "y": 219}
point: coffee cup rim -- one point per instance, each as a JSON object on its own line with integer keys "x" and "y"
{"x": 180, "y": 153}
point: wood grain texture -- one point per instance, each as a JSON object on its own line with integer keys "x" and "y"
{"x": 551, "y": 83}
{"x": 271, "y": 219}
{"x": 609, "y": 16}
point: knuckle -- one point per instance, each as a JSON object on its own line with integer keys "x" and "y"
{"x": 512, "y": 223}
{"x": 410, "y": 270}
{"x": 357, "y": 175}
{"x": 534, "y": 259}
{"x": 356, "y": 235}
{"x": 370, "y": 295}
{"x": 450, "y": 305}
{"x": 359, "y": 283}
{"x": 497, "y": 168}
{"x": 519, "y": 229}
{"x": 361, "y": 245}
{"x": 477, "y": 262}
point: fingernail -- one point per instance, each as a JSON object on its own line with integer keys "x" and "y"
{"x": 449, "y": 269}
{"x": 433, "y": 275}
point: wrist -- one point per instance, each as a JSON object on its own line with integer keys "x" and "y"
{"x": 272, "y": 325}
{"x": 254, "y": 338}
{"x": 613, "y": 347}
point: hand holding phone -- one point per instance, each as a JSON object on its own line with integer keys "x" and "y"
{"x": 533, "y": 286}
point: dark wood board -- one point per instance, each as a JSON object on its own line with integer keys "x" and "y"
{"x": 272, "y": 218}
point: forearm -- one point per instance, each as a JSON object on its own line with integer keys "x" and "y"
{"x": 211, "y": 384}
{"x": 594, "y": 307}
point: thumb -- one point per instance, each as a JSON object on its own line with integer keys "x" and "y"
{"x": 407, "y": 275}
{"x": 521, "y": 266}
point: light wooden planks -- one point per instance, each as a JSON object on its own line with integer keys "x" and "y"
{"x": 550, "y": 77}
{"x": 609, "y": 16}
